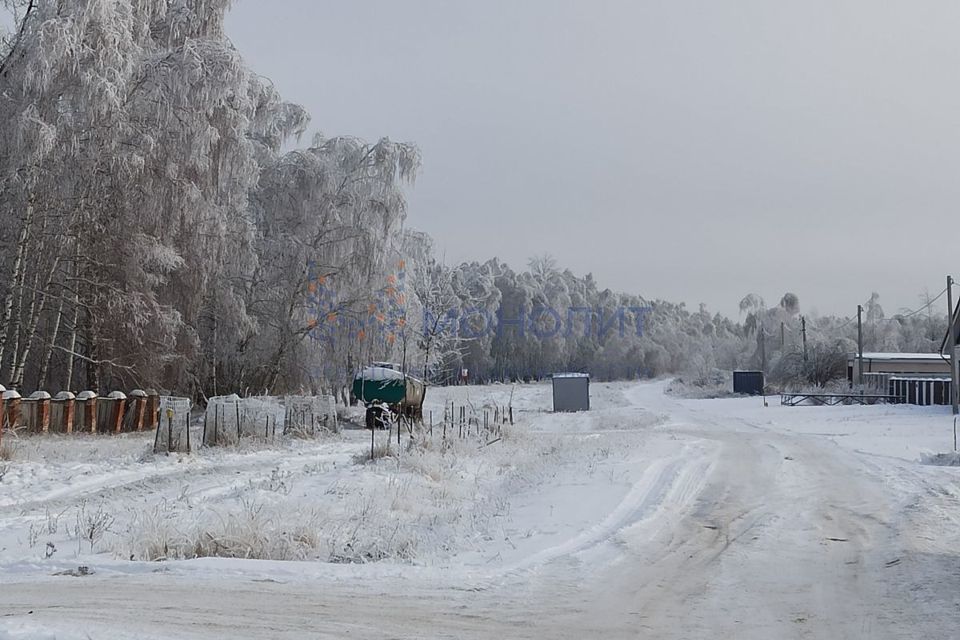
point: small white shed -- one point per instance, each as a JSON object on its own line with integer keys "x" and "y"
{"x": 571, "y": 392}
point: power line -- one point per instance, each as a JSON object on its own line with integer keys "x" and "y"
{"x": 853, "y": 319}
{"x": 926, "y": 306}
{"x": 842, "y": 326}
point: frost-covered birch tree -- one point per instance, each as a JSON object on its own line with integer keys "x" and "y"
{"x": 327, "y": 215}
{"x": 440, "y": 337}
{"x": 136, "y": 130}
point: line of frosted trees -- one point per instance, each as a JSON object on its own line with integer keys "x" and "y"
{"x": 702, "y": 347}
{"x": 155, "y": 231}
{"x": 152, "y": 232}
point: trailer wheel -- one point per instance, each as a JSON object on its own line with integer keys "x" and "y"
{"x": 374, "y": 418}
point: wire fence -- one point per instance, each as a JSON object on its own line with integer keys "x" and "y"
{"x": 173, "y": 426}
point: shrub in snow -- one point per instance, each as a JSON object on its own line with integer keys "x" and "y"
{"x": 8, "y": 449}
{"x": 694, "y": 389}
{"x": 381, "y": 450}
{"x": 92, "y": 524}
{"x": 252, "y": 530}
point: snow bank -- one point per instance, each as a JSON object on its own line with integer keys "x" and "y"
{"x": 15, "y": 630}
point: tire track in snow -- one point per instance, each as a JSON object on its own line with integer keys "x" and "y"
{"x": 666, "y": 484}
{"x": 207, "y": 478}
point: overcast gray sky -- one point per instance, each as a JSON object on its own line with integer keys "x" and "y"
{"x": 692, "y": 151}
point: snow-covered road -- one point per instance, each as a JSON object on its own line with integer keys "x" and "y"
{"x": 660, "y": 518}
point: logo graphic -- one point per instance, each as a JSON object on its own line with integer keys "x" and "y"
{"x": 381, "y": 324}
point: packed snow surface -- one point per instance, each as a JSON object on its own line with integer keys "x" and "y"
{"x": 648, "y": 517}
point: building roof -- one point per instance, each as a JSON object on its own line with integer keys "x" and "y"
{"x": 899, "y": 356}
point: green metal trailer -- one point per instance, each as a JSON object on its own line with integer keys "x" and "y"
{"x": 381, "y": 387}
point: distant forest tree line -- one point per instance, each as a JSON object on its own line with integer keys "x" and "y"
{"x": 155, "y": 231}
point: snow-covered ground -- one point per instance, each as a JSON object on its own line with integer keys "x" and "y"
{"x": 649, "y": 516}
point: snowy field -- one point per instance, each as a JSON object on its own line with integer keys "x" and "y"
{"x": 648, "y": 517}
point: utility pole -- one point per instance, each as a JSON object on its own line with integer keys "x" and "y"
{"x": 860, "y": 346}
{"x": 952, "y": 346}
{"x": 761, "y": 334}
{"x": 781, "y": 337}
{"x": 803, "y": 330}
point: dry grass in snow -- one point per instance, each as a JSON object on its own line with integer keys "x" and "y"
{"x": 423, "y": 500}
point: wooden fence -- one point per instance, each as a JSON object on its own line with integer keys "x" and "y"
{"x": 84, "y": 413}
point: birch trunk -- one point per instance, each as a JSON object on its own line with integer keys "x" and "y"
{"x": 15, "y": 374}
{"x": 16, "y": 276}
{"x": 36, "y": 311}
{"x": 17, "y": 312}
{"x": 93, "y": 353}
{"x": 51, "y": 344}
{"x": 72, "y": 342}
